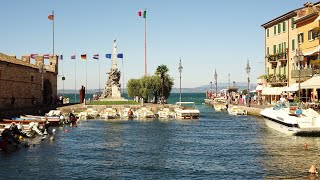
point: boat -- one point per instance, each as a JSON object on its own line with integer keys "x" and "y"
{"x": 109, "y": 113}
{"x": 186, "y": 110}
{"x": 235, "y": 110}
{"x": 89, "y": 113}
{"x": 127, "y": 113}
{"x": 54, "y": 120}
{"x": 144, "y": 113}
{"x": 283, "y": 118}
{"x": 166, "y": 113}
{"x": 219, "y": 104}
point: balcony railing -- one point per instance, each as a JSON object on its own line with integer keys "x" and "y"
{"x": 277, "y": 57}
{"x": 304, "y": 73}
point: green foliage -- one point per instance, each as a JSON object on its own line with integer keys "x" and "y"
{"x": 133, "y": 87}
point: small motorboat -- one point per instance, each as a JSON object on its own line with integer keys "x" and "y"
{"x": 144, "y": 113}
{"x": 127, "y": 113}
{"x": 109, "y": 113}
{"x": 219, "y": 104}
{"x": 235, "y": 110}
{"x": 166, "y": 113}
{"x": 186, "y": 110}
{"x": 89, "y": 113}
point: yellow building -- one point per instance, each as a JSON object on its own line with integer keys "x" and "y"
{"x": 308, "y": 36}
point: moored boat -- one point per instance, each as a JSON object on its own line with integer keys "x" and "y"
{"x": 236, "y": 110}
{"x": 219, "y": 104}
{"x": 166, "y": 113}
{"x": 284, "y": 119}
{"x": 186, "y": 110}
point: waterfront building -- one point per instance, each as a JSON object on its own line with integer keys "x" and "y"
{"x": 283, "y": 36}
{"x": 308, "y": 39}
{"x": 27, "y": 82}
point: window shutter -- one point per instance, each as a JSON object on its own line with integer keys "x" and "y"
{"x": 284, "y": 26}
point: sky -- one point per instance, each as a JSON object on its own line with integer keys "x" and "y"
{"x": 205, "y": 34}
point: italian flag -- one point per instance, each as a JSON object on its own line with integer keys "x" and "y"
{"x": 143, "y": 13}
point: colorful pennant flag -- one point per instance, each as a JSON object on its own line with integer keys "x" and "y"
{"x": 33, "y": 56}
{"x": 143, "y": 13}
{"x": 96, "y": 56}
{"x": 108, "y": 56}
{"x": 84, "y": 56}
{"x": 73, "y": 57}
{"x": 120, "y": 56}
{"x": 46, "y": 56}
{"x": 51, "y": 17}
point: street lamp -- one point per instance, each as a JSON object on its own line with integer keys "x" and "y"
{"x": 42, "y": 70}
{"x": 216, "y": 81}
{"x": 248, "y": 72}
{"x": 298, "y": 58}
{"x": 180, "y": 71}
{"x": 211, "y": 89}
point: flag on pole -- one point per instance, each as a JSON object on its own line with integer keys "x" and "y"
{"x": 73, "y": 57}
{"x": 120, "y": 56}
{"x": 51, "y": 17}
{"x": 46, "y": 56}
{"x": 84, "y": 56}
{"x": 60, "y": 57}
{"x": 108, "y": 56}
{"x": 143, "y": 13}
{"x": 96, "y": 56}
{"x": 33, "y": 56}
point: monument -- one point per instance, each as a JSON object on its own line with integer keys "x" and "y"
{"x": 112, "y": 88}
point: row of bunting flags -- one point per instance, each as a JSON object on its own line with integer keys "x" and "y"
{"x": 83, "y": 56}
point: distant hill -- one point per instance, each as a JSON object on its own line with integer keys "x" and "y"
{"x": 200, "y": 89}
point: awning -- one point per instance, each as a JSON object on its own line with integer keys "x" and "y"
{"x": 312, "y": 51}
{"x": 311, "y": 83}
{"x": 272, "y": 91}
{"x": 315, "y": 62}
{"x": 259, "y": 88}
{"x": 293, "y": 88}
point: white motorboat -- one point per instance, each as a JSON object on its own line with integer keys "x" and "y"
{"x": 219, "y": 104}
{"x": 127, "y": 113}
{"x": 283, "y": 119}
{"x": 89, "y": 113}
{"x": 236, "y": 110}
{"x": 186, "y": 110}
{"x": 144, "y": 113}
{"x": 166, "y": 113}
{"x": 109, "y": 113}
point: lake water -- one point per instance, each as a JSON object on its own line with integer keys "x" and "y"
{"x": 216, "y": 146}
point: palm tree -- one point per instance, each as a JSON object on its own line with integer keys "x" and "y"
{"x": 162, "y": 71}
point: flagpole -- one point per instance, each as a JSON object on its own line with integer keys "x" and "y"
{"x": 53, "y": 33}
{"x": 62, "y": 76}
{"x": 99, "y": 74}
{"x": 122, "y": 77}
{"x": 145, "y": 45}
{"x": 75, "y": 80}
{"x": 86, "y": 77}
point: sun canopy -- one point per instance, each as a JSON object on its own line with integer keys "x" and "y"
{"x": 259, "y": 87}
{"x": 293, "y": 88}
{"x": 312, "y": 51}
{"x": 272, "y": 91}
{"x": 311, "y": 83}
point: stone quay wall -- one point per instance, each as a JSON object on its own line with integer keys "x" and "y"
{"x": 23, "y": 84}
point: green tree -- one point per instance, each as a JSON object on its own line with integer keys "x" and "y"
{"x": 133, "y": 88}
{"x": 162, "y": 71}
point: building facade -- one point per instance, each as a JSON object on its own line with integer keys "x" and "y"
{"x": 25, "y": 84}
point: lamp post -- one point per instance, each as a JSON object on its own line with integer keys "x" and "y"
{"x": 248, "y": 72}
{"x": 42, "y": 70}
{"x": 180, "y": 71}
{"x": 298, "y": 58}
{"x": 211, "y": 89}
{"x": 216, "y": 81}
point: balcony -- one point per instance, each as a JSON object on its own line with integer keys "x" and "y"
{"x": 280, "y": 57}
{"x": 304, "y": 73}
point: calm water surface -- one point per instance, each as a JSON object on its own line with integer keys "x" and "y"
{"x": 216, "y": 146}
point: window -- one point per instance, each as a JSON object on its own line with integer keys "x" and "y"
{"x": 279, "y": 28}
{"x": 284, "y": 69}
{"x": 292, "y": 23}
{"x": 32, "y": 78}
{"x": 275, "y": 71}
{"x": 293, "y": 47}
{"x": 284, "y": 26}
{"x": 268, "y": 71}
{"x": 280, "y": 70}
{"x": 285, "y": 47}
{"x": 267, "y": 32}
{"x": 274, "y": 49}
{"x": 300, "y": 38}
{"x": 268, "y": 52}
{"x": 279, "y": 48}
{"x": 274, "y": 30}
{"x": 311, "y": 35}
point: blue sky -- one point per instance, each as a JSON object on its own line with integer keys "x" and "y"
{"x": 206, "y": 34}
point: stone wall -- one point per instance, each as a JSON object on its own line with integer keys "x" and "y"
{"x": 22, "y": 84}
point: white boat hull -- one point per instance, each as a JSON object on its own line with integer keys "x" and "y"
{"x": 281, "y": 128}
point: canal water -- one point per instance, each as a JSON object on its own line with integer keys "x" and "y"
{"x": 216, "y": 146}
